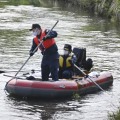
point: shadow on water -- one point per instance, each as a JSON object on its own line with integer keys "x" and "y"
{"x": 45, "y": 109}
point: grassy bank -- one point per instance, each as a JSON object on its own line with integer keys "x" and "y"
{"x": 105, "y": 8}
{"x": 109, "y": 9}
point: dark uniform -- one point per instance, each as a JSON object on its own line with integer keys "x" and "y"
{"x": 49, "y": 50}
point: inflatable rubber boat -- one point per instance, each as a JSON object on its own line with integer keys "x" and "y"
{"x": 61, "y": 88}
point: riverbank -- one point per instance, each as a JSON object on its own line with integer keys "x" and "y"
{"x": 109, "y": 9}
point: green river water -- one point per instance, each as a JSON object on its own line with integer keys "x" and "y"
{"x": 101, "y": 40}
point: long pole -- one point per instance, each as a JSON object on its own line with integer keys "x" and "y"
{"x": 89, "y": 78}
{"x": 1, "y": 71}
{"x": 96, "y": 85}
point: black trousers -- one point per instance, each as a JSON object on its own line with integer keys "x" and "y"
{"x": 50, "y": 64}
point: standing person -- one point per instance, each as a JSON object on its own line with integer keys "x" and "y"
{"x": 49, "y": 50}
{"x": 66, "y": 62}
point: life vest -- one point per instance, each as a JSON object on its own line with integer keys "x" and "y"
{"x": 61, "y": 62}
{"x": 47, "y": 43}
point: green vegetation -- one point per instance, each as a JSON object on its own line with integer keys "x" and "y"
{"x": 105, "y": 8}
{"x": 109, "y": 9}
{"x": 76, "y": 96}
{"x": 19, "y": 2}
{"x": 24, "y": 2}
{"x": 43, "y": 3}
{"x": 3, "y": 3}
{"x": 115, "y": 116}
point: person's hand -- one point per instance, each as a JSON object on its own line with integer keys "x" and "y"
{"x": 46, "y": 37}
{"x": 74, "y": 59}
{"x": 42, "y": 53}
{"x": 31, "y": 53}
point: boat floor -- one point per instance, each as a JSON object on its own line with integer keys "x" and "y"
{"x": 50, "y": 79}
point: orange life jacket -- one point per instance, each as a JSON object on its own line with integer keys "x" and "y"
{"x": 47, "y": 43}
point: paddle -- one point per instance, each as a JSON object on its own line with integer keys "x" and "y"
{"x": 1, "y": 71}
{"x": 14, "y": 77}
{"x": 5, "y": 71}
{"x": 89, "y": 78}
{"x": 35, "y": 50}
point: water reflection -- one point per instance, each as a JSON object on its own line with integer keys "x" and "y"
{"x": 42, "y": 109}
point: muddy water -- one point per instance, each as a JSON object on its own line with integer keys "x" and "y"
{"x": 99, "y": 37}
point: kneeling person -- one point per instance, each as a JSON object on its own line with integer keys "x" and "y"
{"x": 65, "y": 63}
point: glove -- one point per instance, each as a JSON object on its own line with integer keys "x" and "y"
{"x": 86, "y": 76}
{"x": 42, "y": 53}
{"x": 31, "y": 53}
{"x": 74, "y": 59}
{"x": 46, "y": 37}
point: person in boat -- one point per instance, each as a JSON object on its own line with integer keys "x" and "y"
{"x": 49, "y": 50}
{"x": 66, "y": 63}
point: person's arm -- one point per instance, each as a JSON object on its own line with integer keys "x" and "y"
{"x": 33, "y": 47}
{"x": 52, "y": 34}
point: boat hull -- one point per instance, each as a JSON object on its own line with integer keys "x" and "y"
{"x": 58, "y": 89}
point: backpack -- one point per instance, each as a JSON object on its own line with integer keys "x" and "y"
{"x": 81, "y": 60}
{"x": 81, "y": 56}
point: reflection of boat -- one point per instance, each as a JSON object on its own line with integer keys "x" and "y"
{"x": 58, "y": 89}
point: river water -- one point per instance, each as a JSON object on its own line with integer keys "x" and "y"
{"x": 98, "y": 36}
